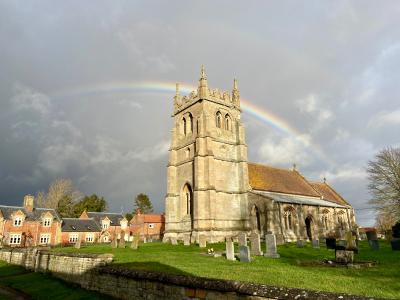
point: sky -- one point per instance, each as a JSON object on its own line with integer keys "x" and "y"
{"x": 86, "y": 89}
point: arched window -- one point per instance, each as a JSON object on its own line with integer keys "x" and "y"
{"x": 228, "y": 123}
{"x": 218, "y": 120}
{"x": 184, "y": 126}
{"x": 187, "y": 152}
{"x": 324, "y": 219}
{"x": 288, "y": 216}
{"x": 187, "y": 199}
{"x": 340, "y": 219}
{"x": 190, "y": 123}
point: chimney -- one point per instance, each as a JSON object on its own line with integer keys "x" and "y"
{"x": 28, "y": 202}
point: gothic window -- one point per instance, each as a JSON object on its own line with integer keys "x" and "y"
{"x": 228, "y": 122}
{"x": 340, "y": 219}
{"x": 288, "y": 218}
{"x": 187, "y": 200}
{"x": 187, "y": 152}
{"x": 219, "y": 120}
{"x": 324, "y": 219}
{"x": 184, "y": 126}
{"x": 190, "y": 123}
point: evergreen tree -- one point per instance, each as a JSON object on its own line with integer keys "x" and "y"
{"x": 143, "y": 203}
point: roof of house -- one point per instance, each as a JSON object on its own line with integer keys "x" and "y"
{"x": 115, "y": 218}
{"x": 80, "y": 225}
{"x": 34, "y": 215}
{"x": 271, "y": 179}
{"x": 149, "y": 218}
{"x": 328, "y": 193}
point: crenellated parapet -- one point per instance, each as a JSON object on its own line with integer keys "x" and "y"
{"x": 203, "y": 92}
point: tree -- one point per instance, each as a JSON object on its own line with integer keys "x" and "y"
{"x": 58, "y": 189}
{"x": 385, "y": 222}
{"x": 90, "y": 203}
{"x": 129, "y": 216}
{"x": 384, "y": 182}
{"x": 143, "y": 203}
{"x": 65, "y": 207}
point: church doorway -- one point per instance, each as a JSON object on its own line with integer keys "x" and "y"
{"x": 309, "y": 222}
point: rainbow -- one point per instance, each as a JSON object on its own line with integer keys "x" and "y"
{"x": 128, "y": 87}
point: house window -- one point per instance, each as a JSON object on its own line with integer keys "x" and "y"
{"x": 47, "y": 222}
{"x": 105, "y": 225}
{"x": 18, "y": 221}
{"x": 44, "y": 239}
{"x": 15, "y": 239}
{"x": 105, "y": 239}
{"x": 73, "y": 237}
{"x": 151, "y": 225}
{"x": 89, "y": 238}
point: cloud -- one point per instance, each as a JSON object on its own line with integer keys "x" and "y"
{"x": 385, "y": 118}
{"x": 312, "y": 105}
{"x": 27, "y": 99}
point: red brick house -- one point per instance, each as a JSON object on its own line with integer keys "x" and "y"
{"x": 23, "y": 226}
{"x": 150, "y": 226}
{"x": 111, "y": 224}
{"x": 85, "y": 230}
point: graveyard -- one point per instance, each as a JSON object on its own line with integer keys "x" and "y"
{"x": 300, "y": 267}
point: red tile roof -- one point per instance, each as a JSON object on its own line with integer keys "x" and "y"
{"x": 328, "y": 193}
{"x": 271, "y": 179}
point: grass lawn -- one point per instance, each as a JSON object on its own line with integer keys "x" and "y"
{"x": 383, "y": 280}
{"x": 41, "y": 286}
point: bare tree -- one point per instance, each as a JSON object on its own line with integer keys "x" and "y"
{"x": 58, "y": 190}
{"x": 385, "y": 221}
{"x": 384, "y": 182}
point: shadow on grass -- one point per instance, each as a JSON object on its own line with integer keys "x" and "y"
{"x": 151, "y": 266}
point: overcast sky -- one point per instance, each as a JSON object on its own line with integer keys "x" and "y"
{"x": 330, "y": 69}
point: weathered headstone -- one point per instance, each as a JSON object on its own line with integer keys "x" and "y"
{"x": 174, "y": 241}
{"x": 186, "y": 239}
{"x": 300, "y": 243}
{"x": 374, "y": 244}
{"x": 350, "y": 241}
{"x": 135, "y": 242}
{"x": 270, "y": 246}
{"x": 341, "y": 243}
{"x": 242, "y": 239}
{"x": 114, "y": 242}
{"x": 344, "y": 256}
{"x": 280, "y": 239}
{"x": 78, "y": 243}
{"x": 330, "y": 243}
{"x": 244, "y": 254}
{"x": 202, "y": 241}
{"x": 255, "y": 244}
{"x": 315, "y": 244}
{"x": 122, "y": 240}
{"x": 230, "y": 249}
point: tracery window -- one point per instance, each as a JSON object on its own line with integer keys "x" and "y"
{"x": 218, "y": 120}
{"x": 228, "y": 122}
{"x": 288, "y": 217}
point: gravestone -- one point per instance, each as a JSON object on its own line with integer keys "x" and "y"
{"x": 186, "y": 239}
{"x": 78, "y": 243}
{"x": 122, "y": 240}
{"x": 341, "y": 243}
{"x": 255, "y": 244}
{"x": 244, "y": 254}
{"x": 174, "y": 241}
{"x": 350, "y": 241}
{"x": 300, "y": 243}
{"x": 114, "y": 242}
{"x": 230, "y": 249}
{"x": 144, "y": 240}
{"x": 280, "y": 239}
{"x": 330, "y": 243}
{"x": 374, "y": 244}
{"x": 202, "y": 241}
{"x": 344, "y": 256}
{"x": 270, "y": 246}
{"x": 135, "y": 242}
{"x": 315, "y": 244}
{"x": 242, "y": 239}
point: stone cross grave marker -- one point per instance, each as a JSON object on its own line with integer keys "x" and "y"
{"x": 350, "y": 241}
{"x": 122, "y": 240}
{"x": 244, "y": 254}
{"x": 135, "y": 242}
{"x": 315, "y": 243}
{"x": 174, "y": 241}
{"x": 255, "y": 244}
{"x": 242, "y": 238}
{"x": 230, "y": 249}
{"x": 300, "y": 243}
{"x": 186, "y": 239}
{"x": 270, "y": 246}
{"x": 202, "y": 241}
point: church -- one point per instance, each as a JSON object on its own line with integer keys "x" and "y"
{"x": 213, "y": 190}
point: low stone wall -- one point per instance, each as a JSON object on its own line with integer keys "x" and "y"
{"x": 93, "y": 272}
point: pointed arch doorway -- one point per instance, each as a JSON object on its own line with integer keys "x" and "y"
{"x": 309, "y": 225}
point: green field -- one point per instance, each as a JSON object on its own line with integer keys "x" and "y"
{"x": 295, "y": 268}
{"x": 40, "y": 286}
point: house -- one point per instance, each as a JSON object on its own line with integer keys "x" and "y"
{"x": 23, "y": 226}
{"x": 85, "y": 230}
{"x": 111, "y": 224}
{"x": 149, "y": 226}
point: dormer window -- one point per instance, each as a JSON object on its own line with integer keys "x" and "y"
{"x": 18, "y": 221}
{"x": 47, "y": 222}
{"x": 105, "y": 225}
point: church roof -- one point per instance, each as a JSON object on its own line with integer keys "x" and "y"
{"x": 271, "y": 179}
{"x": 328, "y": 193}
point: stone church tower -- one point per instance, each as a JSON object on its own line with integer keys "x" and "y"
{"x": 207, "y": 181}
